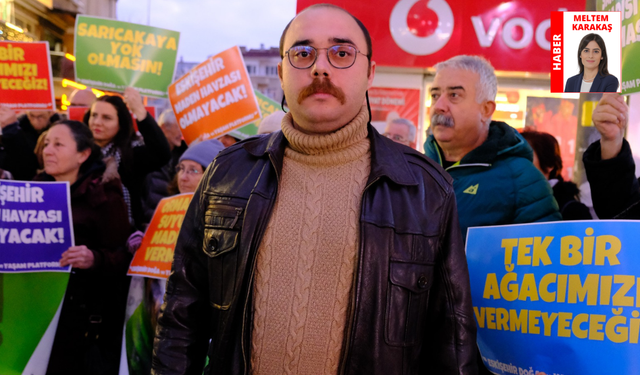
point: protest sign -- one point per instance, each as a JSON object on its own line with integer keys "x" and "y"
{"x": 630, "y": 14}
{"x": 388, "y": 104}
{"x": 154, "y": 257}
{"x": 25, "y": 76}
{"x": 112, "y": 55}
{"x": 35, "y": 225}
{"x": 29, "y": 309}
{"x": 267, "y": 107}
{"x": 547, "y": 296}
{"x": 567, "y": 30}
{"x": 214, "y": 98}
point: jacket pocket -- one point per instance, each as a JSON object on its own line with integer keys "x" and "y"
{"x": 221, "y": 241}
{"x": 407, "y": 302}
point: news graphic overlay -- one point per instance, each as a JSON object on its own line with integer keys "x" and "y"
{"x": 630, "y": 35}
{"x": 568, "y": 29}
{"x": 35, "y": 226}
{"x": 112, "y": 55}
{"x": 26, "y": 82}
{"x": 558, "y": 298}
{"x": 155, "y": 255}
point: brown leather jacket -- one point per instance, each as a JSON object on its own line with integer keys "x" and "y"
{"x": 411, "y": 307}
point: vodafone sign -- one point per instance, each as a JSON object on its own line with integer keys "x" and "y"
{"x": 513, "y": 35}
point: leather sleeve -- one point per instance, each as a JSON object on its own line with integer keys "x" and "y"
{"x": 614, "y": 185}
{"x": 453, "y": 346}
{"x": 183, "y": 331}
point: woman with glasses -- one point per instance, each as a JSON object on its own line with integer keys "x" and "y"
{"x": 193, "y": 162}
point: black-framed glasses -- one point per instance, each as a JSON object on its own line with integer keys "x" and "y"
{"x": 340, "y": 56}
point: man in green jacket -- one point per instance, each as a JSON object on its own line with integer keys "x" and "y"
{"x": 494, "y": 179}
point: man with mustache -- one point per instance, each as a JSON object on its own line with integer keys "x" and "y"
{"x": 323, "y": 248}
{"x": 491, "y": 164}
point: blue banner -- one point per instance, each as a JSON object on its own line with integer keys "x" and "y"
{"x": 35, "y": 226}
{"x": 557, "y": 298}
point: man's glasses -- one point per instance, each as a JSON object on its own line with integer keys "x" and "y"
{"x": 188, "y": 171}
{"x": 340, "y": 56}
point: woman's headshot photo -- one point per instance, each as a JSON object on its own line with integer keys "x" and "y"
{"x": 594, "y": 75}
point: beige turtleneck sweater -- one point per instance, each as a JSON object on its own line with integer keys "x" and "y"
{"x": 306, "y": 261}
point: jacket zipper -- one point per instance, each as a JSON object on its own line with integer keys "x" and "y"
{"x": 352, "y": 310}
{"x": 253, "y": 269}
{"x": 460, "y": 165}
{"x": 468, "y": 165}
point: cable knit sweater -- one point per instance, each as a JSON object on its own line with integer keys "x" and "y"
{"x": 305, "y": 264}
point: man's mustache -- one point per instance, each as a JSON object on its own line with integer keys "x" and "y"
{"x": 438, "y": 119}
{"x": 324, "y": 86}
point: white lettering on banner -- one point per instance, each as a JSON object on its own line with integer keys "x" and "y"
{"x": 22, "y": 194}
{"x": 195, "y": 76}
{"x": 416, "y": 45}
{"x": 32, "y": 236}
{"x": 31, "y": 216}
{"x": 486, "y": 38}
{"x": 235, "y": 95}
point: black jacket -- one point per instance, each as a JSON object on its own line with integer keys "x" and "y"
{"x": 156, "y": 183}
{"x": 600, "y": 83}
{"x": 147, "y": 157}
{"x": 615, "y": 190}
{"x": 411, "y": 309}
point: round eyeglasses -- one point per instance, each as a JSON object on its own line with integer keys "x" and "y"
{"x": 340, "y": 56}
{"x": 188, "y": 171}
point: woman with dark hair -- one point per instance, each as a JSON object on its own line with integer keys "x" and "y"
{"x": 112, "y": 127}
{"x": 89, "y": 333}
{"x": 594, "y": 75}
{"x": 548, "y": 160}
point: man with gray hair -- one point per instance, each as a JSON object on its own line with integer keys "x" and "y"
{"x": 491, "y": 164}
{"x": 401, "y": 130}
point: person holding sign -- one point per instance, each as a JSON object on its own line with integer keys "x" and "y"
{"x": 609, "y": 163}
{"x": 89, "y": 334}
{"x": 110, "y": 121}
{"x": 594, "y": 75}
{"x": 322, "y": 248}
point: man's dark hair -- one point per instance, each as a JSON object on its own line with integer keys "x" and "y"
{"x": 602, "y": 67}
{"x": 367, "y": 37}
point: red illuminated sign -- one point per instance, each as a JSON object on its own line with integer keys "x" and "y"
{"x": 512, "y": 35}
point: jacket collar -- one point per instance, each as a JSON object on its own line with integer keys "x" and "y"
{"x": 387, "y": 160}
{"x": 595, "y": 85}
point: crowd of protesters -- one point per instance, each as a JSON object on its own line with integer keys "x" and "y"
{"x": 118, "y": 175}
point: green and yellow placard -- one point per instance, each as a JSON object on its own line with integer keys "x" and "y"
{"x": 267, "y": 107}
{"x": 112, "y": 55}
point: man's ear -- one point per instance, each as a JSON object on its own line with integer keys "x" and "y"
{"x": 371, "y": 74}
{"x": 486, "y": 109}
{"x": 280, "y": 75}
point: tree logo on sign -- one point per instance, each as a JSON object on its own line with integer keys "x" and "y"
{"x": 416, "y": 44}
